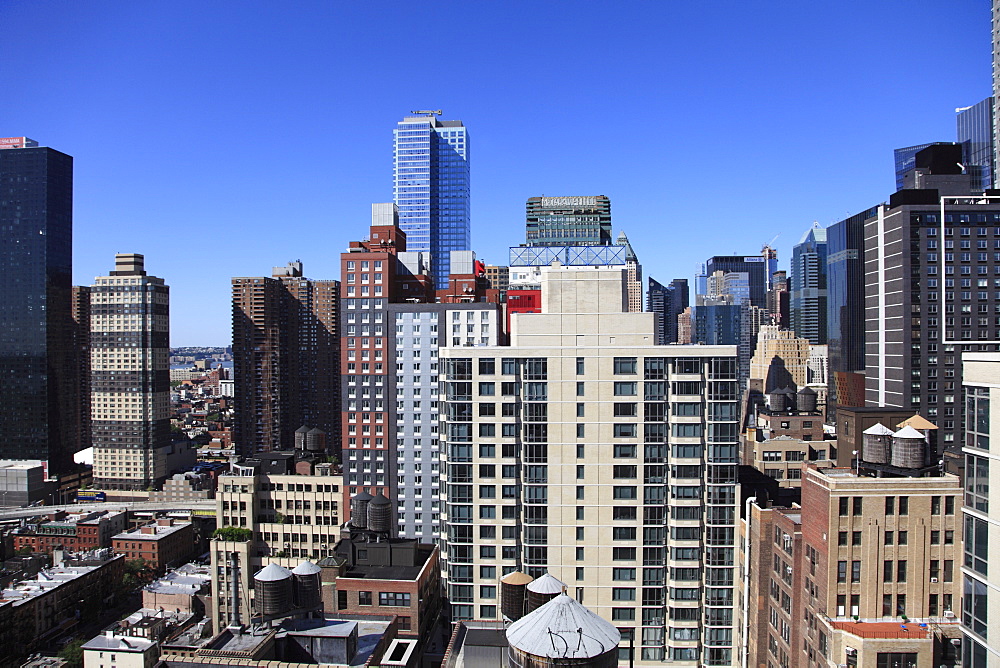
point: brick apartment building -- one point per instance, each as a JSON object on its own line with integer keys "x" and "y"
{"x": 77, "y": 532}
{"x": 162, "y": 543}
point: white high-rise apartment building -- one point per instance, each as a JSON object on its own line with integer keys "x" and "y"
{"x": 586, "y": 451}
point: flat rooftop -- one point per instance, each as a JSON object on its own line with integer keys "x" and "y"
{"x": 161, "y": 532}
{"x": 188, "y": 579}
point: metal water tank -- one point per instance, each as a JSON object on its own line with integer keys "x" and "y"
{"x": 316, "y": 440}
{"x": 909, "y": 448}
{"x": 359, "y": 509}
{"x": 776, "y": 401}
{"x": 307, "y": 592}
{"x": 272, "y": 590}
{"x": 300, "y": 437}
{"x": 541, "y": 591}
{"x": 562, "y": 633}
{"x": 807, "y": 400}
{"x": 512, "y": 593}
{"x": 380, "y": 514}
{"x": 876, "y": 444}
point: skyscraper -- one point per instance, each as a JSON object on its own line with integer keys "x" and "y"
{"x": 560, "y": 478}
{"x": 932, "y": 301}
{"x": 633, "y": 282}
{"x": 845, "y": 317}
{"x": 285, "y": 360}
{"x": 974, "y": 131}
{"x": 130, "y": 376}
{"x": 754, "y": 266}
{"x": 39, "y": 372}
{"x": 903, "y": 160}
{"x": 669, "y": 301}
{"x": 807, "y": 302}
{"x": 568, "y": 221}
{"x": 431, "y": 187}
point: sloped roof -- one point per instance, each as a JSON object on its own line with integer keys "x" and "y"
{"x": 306, "y": 568}
{"x": 272, "y": 572}
{"x": 547, "y": 584}
{"x": 917, "y": 422}
{"x": 878, "y": 429}
{"x": 516, "y": 578}
{"x": 563, "y": 628}
{"x": 908, "y": 432}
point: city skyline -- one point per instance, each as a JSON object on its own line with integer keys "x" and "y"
{"x": 187, "y": 162}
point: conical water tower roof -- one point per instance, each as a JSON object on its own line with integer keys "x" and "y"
{"x": 362, "y": 496}
{"x": 302, "y": 430}
{"x": 908, "y": 432}
{"x": 547, "y": 584}
{"x": 878, "y": 429}
{"x": 306, "y": 568}
{"x": 272, "y": 572}
{"x": 516, "y": 578}
{"x": 380, "y": 500}
{"x": 563, "y": 628}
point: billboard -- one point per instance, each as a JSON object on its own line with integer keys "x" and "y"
{"x": 17, "y": 142}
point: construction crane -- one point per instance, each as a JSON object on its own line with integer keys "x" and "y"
{"x": 427, "y": 112}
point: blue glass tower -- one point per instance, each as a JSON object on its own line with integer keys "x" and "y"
{"x": 974, "y": 131}
{"x": 904, "y": 159}
{"x": 431, "y": 188}
{"x": 808, "y": 291}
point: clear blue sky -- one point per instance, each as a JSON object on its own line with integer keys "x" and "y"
{"x": 222, "y": 138}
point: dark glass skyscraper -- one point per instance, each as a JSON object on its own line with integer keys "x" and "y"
{"x": 754, "y": 266}
{"x": 669, "y": 301}
{"x": 431, "y": 188}
{"x": 904, "y": 160}
{"x": 974, "y": 131}
{"x": 39, "y": 373}
{"x": 807, "y": 301}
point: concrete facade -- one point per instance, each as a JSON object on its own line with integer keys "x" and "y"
{"x": 562, "y": 440}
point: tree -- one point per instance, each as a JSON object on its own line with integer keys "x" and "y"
{"x": 73, "y": 653}
{"x": 233, "y": 534}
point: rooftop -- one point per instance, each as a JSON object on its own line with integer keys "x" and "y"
{"x": 112, "y": 641}
{"x": 153, "y": 531}
{"x": 188, "y": 579}
{"x": 45, "y": 581}
{"x": 883, "y": 629}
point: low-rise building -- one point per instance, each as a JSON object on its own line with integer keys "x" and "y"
{"x": 395, "y": 577}
{"x": 73, "y": 532}
{"x": 111, "y": 650}
{"x": 35, "y": 612}
{"x": 783, "y": 457}
{"x": 160, "y": 544}
{"x": 183, "y": 589}
{"x": 185, "y": 487}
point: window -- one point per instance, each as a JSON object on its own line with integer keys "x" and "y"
{"x": 364, "y": 598}
{"x": 622, "y": 365}
{"x": 625, "y": 389}
{"x": 629, "y": 430}
{"x": 623, "y": 553}
{"x": 394, "y": 599}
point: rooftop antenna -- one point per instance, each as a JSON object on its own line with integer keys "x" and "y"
{"x": 427, "y": 112}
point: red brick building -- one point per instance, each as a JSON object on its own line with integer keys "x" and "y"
{"x": 396, "y": 577}
{"x": 80, "y": 532}
{"x": 161, "y": 544}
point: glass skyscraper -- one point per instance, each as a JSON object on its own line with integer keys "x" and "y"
{"x": 431, "y": 188}
{"x": 39, "y": 373}
{"x": 904, "y": 159}
{"x": 974, "y": 131}
{"x": 808, "y": 290}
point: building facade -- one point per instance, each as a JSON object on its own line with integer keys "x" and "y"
{"x": 669, "y": 301}
{"x": 39, "y": 401}
{"x": 563, "y": 439}
{"x": 285, "y": 359}
{"x": 807, "y": 299}
{"x": 932, "y": 292}
{"x": 431, "y": 188}
{"x": 845, "y": 317}
{"x": 974, "y": 131}
{"x": 981, "y": 589}
{"x": 568, "y": 221}
{"x": 130, "y": 376}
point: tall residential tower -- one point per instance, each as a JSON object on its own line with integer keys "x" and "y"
{"x": 285, "y": 351}
{"x": 130, "y": 376}
{"x": 431, "y": 187}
